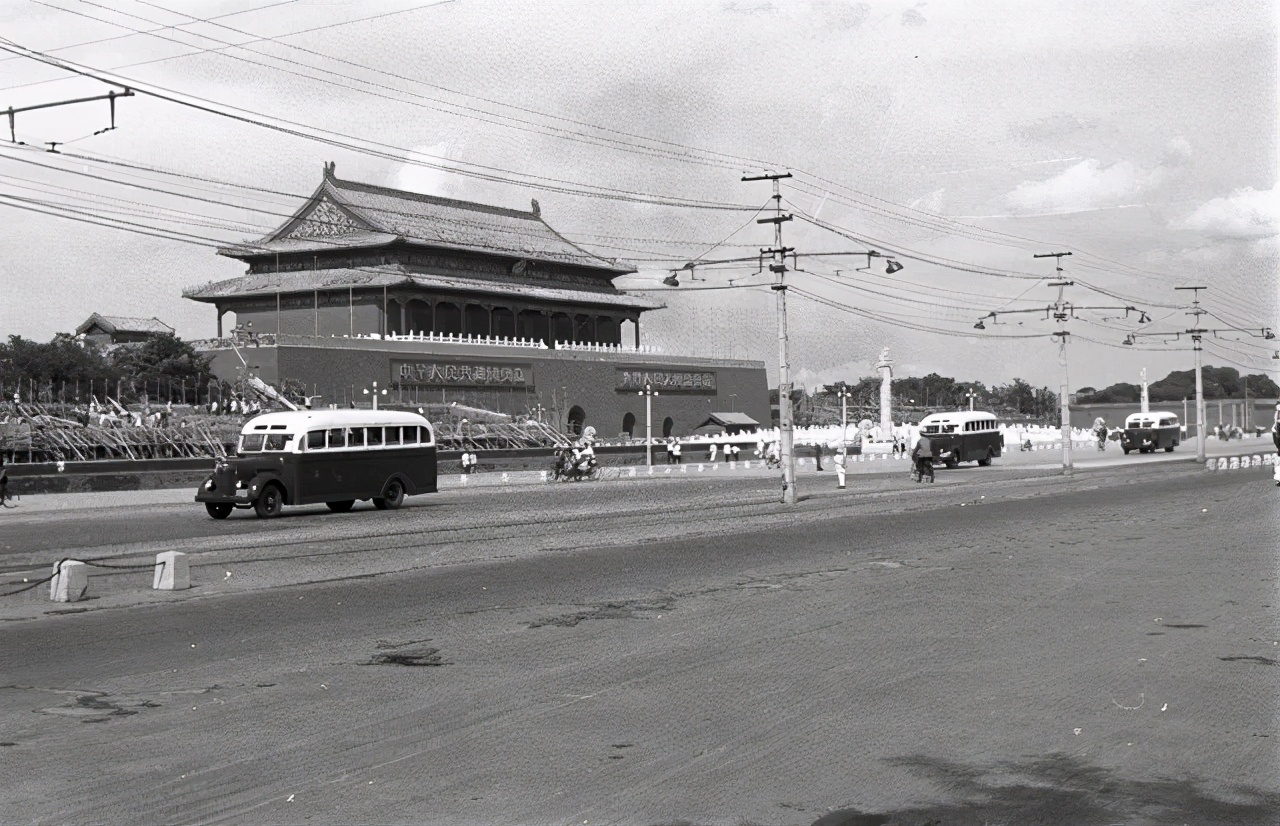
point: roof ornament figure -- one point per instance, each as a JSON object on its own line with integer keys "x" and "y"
{"x": 537, "y": 210}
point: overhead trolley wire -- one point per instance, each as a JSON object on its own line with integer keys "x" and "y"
{"x": 468, "y": 112}
{"x": 162, "y": 28}
{"x": 375, "y": 148}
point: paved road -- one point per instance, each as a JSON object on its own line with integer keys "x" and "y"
{"x": 1090, "y": 651}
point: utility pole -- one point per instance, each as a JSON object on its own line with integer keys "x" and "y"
{"x": 648, "y": 392}
{"x": 1061, "y": 313}
{"x": 786, "y": 435}
{"x": 1196, "y": 332}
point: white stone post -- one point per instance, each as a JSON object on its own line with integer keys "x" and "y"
{"x": 70, "y": 581}
{"x": 172, "y": 572}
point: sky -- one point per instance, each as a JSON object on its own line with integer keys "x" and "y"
{"x": 960, "y": 138}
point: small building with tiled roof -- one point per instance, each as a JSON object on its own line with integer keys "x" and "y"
{"x": 439, "y": 299}
{"x": 114, "y": 329}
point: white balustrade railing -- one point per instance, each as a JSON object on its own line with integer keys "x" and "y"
{"x": 589, "y": 347}
{"x": 454, "y": 338}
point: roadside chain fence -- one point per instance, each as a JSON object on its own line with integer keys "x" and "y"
{"x": 69, "y": 581}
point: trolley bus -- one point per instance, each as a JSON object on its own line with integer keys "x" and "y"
{"x": 963, "y": 436}
{"x": 338, "y": 457}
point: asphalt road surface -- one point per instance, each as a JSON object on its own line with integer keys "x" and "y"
{"x": 1008, "y": 647}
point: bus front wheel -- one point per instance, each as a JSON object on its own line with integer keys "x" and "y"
{"x": 218, "y": 510}
{"x": 392, "y": 496}
{"x": 270, "y": 502}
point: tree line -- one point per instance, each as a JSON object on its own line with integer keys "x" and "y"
{"x": 1219, "y": 383}
{"x": 69, "y": 369}
{"x": 916, "y": 396}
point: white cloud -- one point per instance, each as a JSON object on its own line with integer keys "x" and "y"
{"x": 1245, "y": 214}
{"x": 932, "y": 203}
{"x": 426, "y": 180}
{"x": 1086, "y": 186}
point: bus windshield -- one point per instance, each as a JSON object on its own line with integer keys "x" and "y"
{"x": 265, "y": 442}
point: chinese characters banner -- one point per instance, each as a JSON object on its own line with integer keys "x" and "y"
{"x": 670, "y": 381}
{"x": 434, "y": 373}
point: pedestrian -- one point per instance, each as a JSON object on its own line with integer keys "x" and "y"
{"x": 4, "y": 481}
{"x": 1275, "y": 438}
{"x": 841, "y": 453}
{"x": 676, "y": 454}
{"x": 671, "y": 451}
{"x": 817, "y": 455}
{"x": 711, "y": 452}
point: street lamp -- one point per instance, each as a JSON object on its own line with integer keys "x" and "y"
{"x": 844, "y": 395}
{"x": 971, "y": 396}
{"x": 375, "y": 393}
{"x": 648, "y": 392}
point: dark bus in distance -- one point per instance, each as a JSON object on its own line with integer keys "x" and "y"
{"x": 963, "y": 436}
{"x": 338, "y": 457}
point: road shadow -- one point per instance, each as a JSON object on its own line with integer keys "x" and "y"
{"x": 1061, "y": 789}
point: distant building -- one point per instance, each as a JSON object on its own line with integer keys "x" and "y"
{"x": 112, "y": 329}
{"x": 445, "y": 300}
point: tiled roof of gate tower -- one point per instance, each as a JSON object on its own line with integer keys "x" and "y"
{"x": 349, "y": 214}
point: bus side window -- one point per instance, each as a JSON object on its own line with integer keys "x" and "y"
{"x": 338, "y": 437}
{"x": 278, "y": 441}
{"x": 355, "y": 437}
{"x": 315, "y": 440}
{"x": 373, "y": 436}
{"x": 410, "y": 435}
{"x": 392, "y": 435}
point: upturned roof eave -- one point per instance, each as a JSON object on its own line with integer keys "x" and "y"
{"x": 250, "y": 252}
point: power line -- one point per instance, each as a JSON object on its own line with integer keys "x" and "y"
{"x": 162, "y": 28}
{"x": 376, "y": 148}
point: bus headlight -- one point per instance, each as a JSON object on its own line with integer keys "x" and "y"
{"x": 239, "y": 484}
{"x": 208, "y": 485}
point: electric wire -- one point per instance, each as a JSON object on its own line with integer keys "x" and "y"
{"x": 371, "y": 147}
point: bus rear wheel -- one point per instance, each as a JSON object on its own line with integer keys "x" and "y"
{"x": 952, "y": 463}
{"x": 1169, "y": 449}
{"x": 985, "y": 462}
{"x": 342, "y": 506}
{"x": 218, "y": 510}
{"x": 270, "y": 502}
{"x": 392, "y": 496}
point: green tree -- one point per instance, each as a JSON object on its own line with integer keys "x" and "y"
{"x": 51, "y": 366}
{"x": 163, "y": 359}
